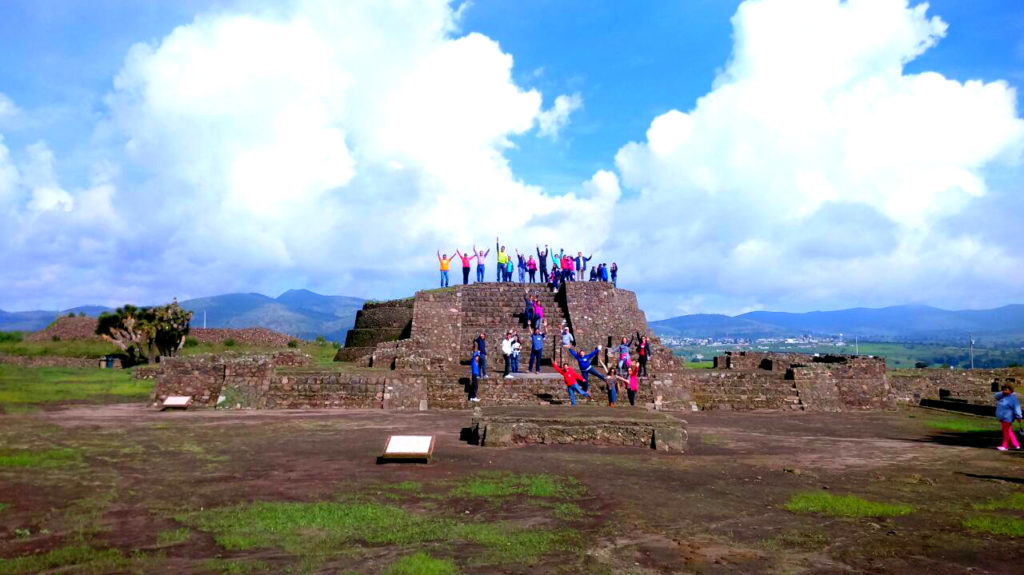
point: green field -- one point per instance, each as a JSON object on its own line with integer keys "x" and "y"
{"x": 897, "y": 355}
{"x": 22, "y": 388}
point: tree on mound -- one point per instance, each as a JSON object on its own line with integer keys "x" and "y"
{"x": 146, "y": 333}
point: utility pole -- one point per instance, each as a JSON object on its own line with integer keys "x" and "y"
{"x": 204, "y": 319}
{"x": 856, "y": 345}
{"x": 971, "y": 336}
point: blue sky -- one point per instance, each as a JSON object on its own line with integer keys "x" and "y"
{"x": 174, "y": 213}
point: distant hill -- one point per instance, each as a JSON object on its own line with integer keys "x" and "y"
{"x": 300, "y": 313}
{"x": 897, "y": 323}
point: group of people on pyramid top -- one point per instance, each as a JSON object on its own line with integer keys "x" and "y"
{"x": 564, "y": 266}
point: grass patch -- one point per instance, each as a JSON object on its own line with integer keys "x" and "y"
{"x": 234, "y": 566}
{"x": 70, "y": 348}
{"x": 21, "y": 386}
{"x": 421, "y": 564}
{"x": 506, "y": 485}
{"x": 173, "y": 536}
{"x": 408, "y": 486}
{"x": 964, "y": 425}
{"x": 83, "y": 558}
{"x": 505, "y": 544}
{"x": 844, "y": 505}
{"x": 568, "y": 511}
{"x": 48, "y": 458}
{"x": 699, "y": 364}
{"x": 1009, "y": 526}
{"x": 3, "y": 506}
{"x": 1013, "y": 501}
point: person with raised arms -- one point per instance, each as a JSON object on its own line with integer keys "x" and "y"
{"x": 586, "y": 367}
{"x": 542, "y": 258}
{"x": 531, "y": 268}
{"x": 481, "y": 257}
{"x": 581, "y": 264}
{"x": 502, "y": 259}
{"x": 572, "y": 382}
{"x": 465, "y": 265}
{"x": 536, "y": 350}
{"x": 445, "y": 262}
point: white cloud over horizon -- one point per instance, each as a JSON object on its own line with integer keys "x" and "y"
{"x": 335, "y": 146}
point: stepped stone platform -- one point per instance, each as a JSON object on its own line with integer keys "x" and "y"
{"x": 591, "y": 425}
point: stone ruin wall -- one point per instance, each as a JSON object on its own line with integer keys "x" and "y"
{"x": 973, "y": 386}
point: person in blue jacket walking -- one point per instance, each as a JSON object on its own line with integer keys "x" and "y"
{"x": 1007, "y": 410}
{"x": 586, "y": 368}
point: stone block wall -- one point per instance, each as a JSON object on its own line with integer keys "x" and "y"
{"x": 52, "y": 361}
{"x": 974, "y": 386}
{"x": 380, "y": 322}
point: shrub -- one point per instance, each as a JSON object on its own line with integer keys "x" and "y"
{"x": 336, "y": 345}
{"x": 321, "y": 340}
{"x": 10, "y": 337}
{"x": 191, "y": 342}
{"x": 229, "y": 342}
{"x": 293, "y": 343}
{"x": 55, "y": 338}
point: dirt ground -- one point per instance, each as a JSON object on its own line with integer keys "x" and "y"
{"x": 130, "y": 473}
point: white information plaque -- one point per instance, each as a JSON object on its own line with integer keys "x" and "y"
{"x": 178, "y": 401}
{"x": 409, "y": 447}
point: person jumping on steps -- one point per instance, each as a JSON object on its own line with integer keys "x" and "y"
{"x": 542, "y": 258}
{"x": 632, "y": 384}
{"x": 572, "y": 382}
{"x": 445, "y": 262}
{"x": 566, "y": 341}
{"x": 643, "y": 348}
{"x": 623, "y": 350}
{"x": 538, "y": 313}
{"x": 481, "y": 345}
{"x": 502, "y": 259}
{"x": 528, "y": 315}
{"x": 531, "y": 268}
{"x": 536, "y": 350}
{"x": 474, "y": 371}
{"x": 465, "y": 265}
{"x": 481, "y": 257}
{"x": 586, "y": 368}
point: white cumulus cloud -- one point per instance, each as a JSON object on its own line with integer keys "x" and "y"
{"x": 816, "y": 171}
{"x": 554, "y": 120}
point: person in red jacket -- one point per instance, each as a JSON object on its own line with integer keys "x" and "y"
{"x": 572, "y": 380}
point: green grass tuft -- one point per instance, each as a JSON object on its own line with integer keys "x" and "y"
{"x": 568, "y": 511}
{"x": 492, "y": 484}
{"x": 844, "y": 505}
{"x": 421, "y": 564}
{"x": 173, "y": 536}
{"x": 1013, "y": 501}
{"x": 234, "y": 566}
{"x": 964, "y": 425}
{"x": 504, "y": 543}
{"x": 27, "y": 385}
{"x": 408, "y": 486}
{"x": 4, "y": 506}
{"x": 84, "y": 559}
{"x": 1009, "y": 526}
{"x": 48, "y": 458}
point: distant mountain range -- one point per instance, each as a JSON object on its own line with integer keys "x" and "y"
{"x": 914, "y": 323}
{"x": 301, "y": 313}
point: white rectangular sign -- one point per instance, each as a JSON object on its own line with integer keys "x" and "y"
{"x": 178, "y": 401}
{"x": 416, "y": 445}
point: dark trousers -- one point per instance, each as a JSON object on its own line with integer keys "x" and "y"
{"x": 508, "y": 364}
{"x": 533, "y": 276}
{"x": 586, "y": 377}
{"x": 474, "y": 387}
{"x": 534, "y": 354}
{"x": 632, "y": 396}
{"x": 544, "y": 275}
{"x": 642, "y": 370}
{"x": 465, "y": 276}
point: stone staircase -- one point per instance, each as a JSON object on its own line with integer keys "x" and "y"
{"x": 522, "y": 389}
{"x": 494, "y": 308}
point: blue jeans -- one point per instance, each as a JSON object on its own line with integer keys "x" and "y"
{"x": 522, "y": 275}
{"x": 479, "y": 273}
{"x": 586, "y": 377}
{"x": 534, "y": 354}
{"x": 483, "y": 365}
{"x": 444, "y": 278}
{"x": 612, "y": 394}
{"x": 501, "y": 271}
{"x": 573, "y": 390}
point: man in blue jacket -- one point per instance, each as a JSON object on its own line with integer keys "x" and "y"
{"x": 585, "y": 366}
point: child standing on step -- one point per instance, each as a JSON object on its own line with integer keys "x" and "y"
{"x": 572, "y": 380}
